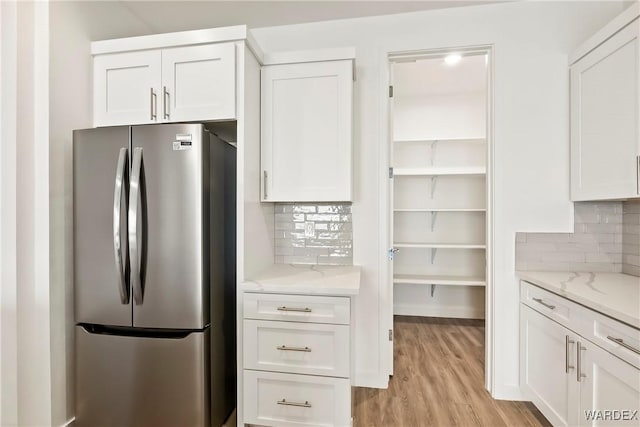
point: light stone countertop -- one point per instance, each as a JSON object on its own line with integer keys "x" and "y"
{"x": 306, "y": 279}
{"x": 613, "y": 294}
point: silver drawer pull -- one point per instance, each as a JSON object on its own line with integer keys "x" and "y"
{"x": 306, "y": 403}
{"x": 285, "y": 348}
{"x": 623, "y": 344}
{"x": 301, "y": 310}
{"x": 549, "y": 306}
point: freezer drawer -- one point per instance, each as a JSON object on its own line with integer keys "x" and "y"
{"x": 141, "y": 381}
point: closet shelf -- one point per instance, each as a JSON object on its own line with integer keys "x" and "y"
{"x": 438, "y": 171}
{"x": 438, "y": 280}
{"x": 432, "y": 140}
{"x": 440, "y": 210}
{"x": 438, "y": 245}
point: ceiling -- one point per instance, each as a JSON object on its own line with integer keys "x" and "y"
{"x": 169, "y": 16}
{"x": 434, "y": 77}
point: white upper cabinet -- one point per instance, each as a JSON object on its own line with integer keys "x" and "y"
{"x": 126, "y": 88}
{"x": 176, "y": 77}
{"x": 605, "y": 111}
{"x": 199, "y": 82}
{"x": 307, "y": 131}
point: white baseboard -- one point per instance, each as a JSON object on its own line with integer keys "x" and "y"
{"x": 435, "y": 311}
{"x": 371, "y": 380}
{"x": 508, "y": 392}
{"x": 69, "y": 423}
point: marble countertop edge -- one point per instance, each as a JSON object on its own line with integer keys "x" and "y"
{"x": 616, "y": 295}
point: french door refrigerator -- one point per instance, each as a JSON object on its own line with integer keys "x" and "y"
{"x": 154, "y": 276}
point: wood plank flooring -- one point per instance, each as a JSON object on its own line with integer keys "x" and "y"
{"x": 439, "y": 381}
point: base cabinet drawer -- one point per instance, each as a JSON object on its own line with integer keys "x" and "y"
{"x": 547, "y": 303}
{"x": 299, "y": 348}
{"x": 277, "y": 399}
{"x": 613, "y": 336}
{"x": 297, "y": 308}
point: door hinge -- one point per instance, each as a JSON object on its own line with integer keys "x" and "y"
{"x": 390, "y": 91}
{"x": 390, "y": 334}
{"x": 390, "y": 173}
{"x": 391, "y": 253}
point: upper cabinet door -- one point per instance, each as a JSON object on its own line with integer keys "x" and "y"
{"x": 126, "y": 88}
{"x": 605, "y": 112}
{"x": 199, "y": 83}
{"x": 307, "y": 131}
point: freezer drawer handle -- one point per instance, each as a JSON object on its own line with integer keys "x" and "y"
{"x": 306, "y": 403}
{"x": 549, "y": 306}
{"x": 301, "y": 310}
{"x": 135, "y": 248}
{"x": 621, "y": 342}
{"x": 285, "y": 348}
{"x": 117, "y": 240}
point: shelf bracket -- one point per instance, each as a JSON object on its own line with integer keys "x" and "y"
{"x": 433, "y": 254}
{"x": 434, "y": 181}
{"x": 434, "y": 145}
{"x": 434, "y": 215}
{"x": 433, "y": 289}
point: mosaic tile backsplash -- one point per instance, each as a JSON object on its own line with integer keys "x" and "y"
{"x": 313, "y": 233}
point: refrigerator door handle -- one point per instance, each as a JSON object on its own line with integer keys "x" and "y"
{"x": 134, "y": 247}
{"x": 117, "y": 239}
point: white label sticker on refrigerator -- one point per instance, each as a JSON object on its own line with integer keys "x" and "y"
{"x": 182, "y": 142}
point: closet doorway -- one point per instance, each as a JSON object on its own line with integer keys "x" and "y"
{"x": 439, "y": 188}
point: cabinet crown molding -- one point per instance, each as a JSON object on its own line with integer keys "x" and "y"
{"x": 625, "y": 18}
{"x": 181, "y": 38}
{"x": 315, "y": 55}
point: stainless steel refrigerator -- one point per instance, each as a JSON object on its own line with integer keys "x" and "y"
{"x": 154, "y": 276}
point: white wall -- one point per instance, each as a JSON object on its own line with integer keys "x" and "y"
{"x": 531, "y": 41}
{"x": 440, "y": 116}
{"x": 25, "y": 369}
{"x": 73, "y": 26}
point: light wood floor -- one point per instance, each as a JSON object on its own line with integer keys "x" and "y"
{"x": 439, "y": 381}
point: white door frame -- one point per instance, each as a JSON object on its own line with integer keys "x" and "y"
{"x": 387, "y": 56}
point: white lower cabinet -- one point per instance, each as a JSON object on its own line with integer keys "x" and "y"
{"x": 571, "y": 380}
{"x": 296, "y": 360}
{"x": 547, "y": 367}
{"x": 608, "y": 384}
{"x": 277, "y": 399}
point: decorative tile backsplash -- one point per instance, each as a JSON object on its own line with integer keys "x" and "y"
{"x": 595, "y": 245}
{"x": 631, "y": 237}
{"x": 313, "y": 233}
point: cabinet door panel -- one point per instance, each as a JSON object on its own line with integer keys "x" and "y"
{"x": 543, "y": 371}
{"x": 306, "y": 131}
{"x": 200, "y": 83}
{"x": 604, "y": 119}
{"x": 610, "y": 384}
{"x": 126, "y": 88}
